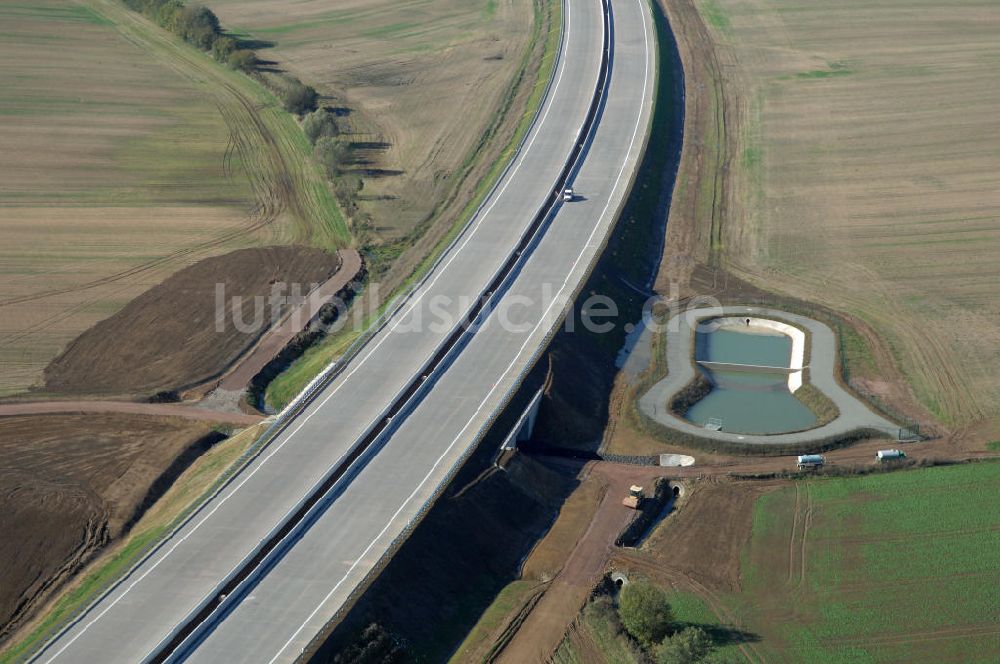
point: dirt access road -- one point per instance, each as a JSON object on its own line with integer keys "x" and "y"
{"x": 543, "y": 629}
{"x": 707, "y": 564}
{"x": 128, "y": 407}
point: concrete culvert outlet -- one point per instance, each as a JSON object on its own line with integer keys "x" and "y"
{"x": 619, "y": 579}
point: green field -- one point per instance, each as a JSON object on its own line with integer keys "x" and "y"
{"x": 884, "y": 568}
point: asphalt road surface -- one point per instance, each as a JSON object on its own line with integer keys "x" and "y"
{"x": 316, "y": 576}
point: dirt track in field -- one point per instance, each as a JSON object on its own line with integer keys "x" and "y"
{"x": 127, "y": 408}
{"x": 278, "y": 337}
{"x": 159, "y": 188}
{"x": 156, "y": 306}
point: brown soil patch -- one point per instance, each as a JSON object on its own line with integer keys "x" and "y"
{"x": 576, "y": 515}
{"x": 703, "y": 538}
{"x": 69, "y": 485}
{"x": 168, "y": 337}
{"x": 295, "y": 322}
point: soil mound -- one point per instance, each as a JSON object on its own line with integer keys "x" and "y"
{"x": 168, "y": 338}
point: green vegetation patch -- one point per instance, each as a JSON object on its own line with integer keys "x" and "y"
{"x": 895, "y": 566}
{"x": 715, "y": 15}
{"x": 835, "y": 69}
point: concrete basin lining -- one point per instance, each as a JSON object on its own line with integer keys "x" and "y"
{"x": 676, "y": 460}
{"x": 796, "y": 334}
{"x": 680, "y": 329}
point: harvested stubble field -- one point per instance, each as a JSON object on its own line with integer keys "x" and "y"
{"x": 423, "y": 83}
{"x": 853, "y": 152}
{"x": 129, "y": 156}
{"x": 69, "y": 485}
{"x": 883, "y": 568}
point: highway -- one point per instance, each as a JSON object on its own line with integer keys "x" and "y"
{"x": 274, "y": 617}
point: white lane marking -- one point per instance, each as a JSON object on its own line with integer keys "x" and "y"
{"x": 510, "y": 367}
{"x": 316, "y": 407}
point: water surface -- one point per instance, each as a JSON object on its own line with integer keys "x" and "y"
{"x": 756, "y": 401}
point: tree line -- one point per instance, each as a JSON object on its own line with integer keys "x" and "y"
{"x": 200, "y": 27}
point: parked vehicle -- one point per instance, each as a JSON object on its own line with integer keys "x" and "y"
{"x": 889, "y": 455}
{"x": 634, "y": 498}
{"x": 811, "y": 461}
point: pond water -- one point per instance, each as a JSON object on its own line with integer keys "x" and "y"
{"x": 749, "y": 401}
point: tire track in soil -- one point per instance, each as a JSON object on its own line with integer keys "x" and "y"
{"x": 923, "y": 636}
{"x": 804, "y": 536}
{"x": 584, "y": 645}
{"x": 265, "y": 210}
{"x": 791, "y": 535}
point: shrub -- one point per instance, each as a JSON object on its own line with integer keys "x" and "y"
{"x": 346, "y": 187}
{"x": 687, "y": 646}
{"x": 330, "y": 152}
{"x": 198, "y": 25}
{"x": 243, "y": 59}
{"x": 223, "y": 48}
{"x": 645, "y": 612}
{"x": 167, "y": 14}
{"x": 299, "y": 98}
{"x": 319, "y": 124}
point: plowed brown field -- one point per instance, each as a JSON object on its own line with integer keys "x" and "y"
{"x": 69, "y": 485}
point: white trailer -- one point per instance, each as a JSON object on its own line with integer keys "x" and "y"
{"x": 889, "y": 455}
{"x": 811, "y": 461}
